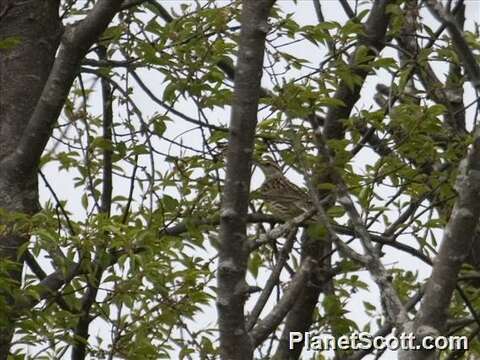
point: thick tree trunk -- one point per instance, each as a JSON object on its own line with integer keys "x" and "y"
{"x": 30, "y": 33}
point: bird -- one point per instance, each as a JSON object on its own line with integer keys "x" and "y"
{"x": 282, "y": 198}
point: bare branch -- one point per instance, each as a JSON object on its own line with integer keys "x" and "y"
{"x": 347, "y": 8}
{"x": 273, "y": 280}
{"x": 395, "y": 311}
{"x": 48, "y": 287}
{"x": 266, "y": 326}
{"x": 233, "y": 252}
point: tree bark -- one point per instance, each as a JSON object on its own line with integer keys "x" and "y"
{"x": 235, "y": 342}
{"x": 33, "y": 28}
{"x": 34, "y": 85}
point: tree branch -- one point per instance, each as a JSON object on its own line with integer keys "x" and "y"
{"x": 235, "y": 343}
{"x": 273, "y": 280}
{"x": 463, "y": 49}
{"x": 266, "y": 326}
{"x": 375, "y": 29}
{"x": 75, "y": 43}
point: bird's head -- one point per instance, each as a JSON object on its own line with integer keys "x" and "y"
{"x": 269, "y": 167}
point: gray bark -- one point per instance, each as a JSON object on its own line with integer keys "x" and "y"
{"x": 24, "y": 69}
{"x": 235, "y": 342}
{"x": 34, "y": 86}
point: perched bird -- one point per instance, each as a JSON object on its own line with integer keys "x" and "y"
{"x": 282, "y": 198}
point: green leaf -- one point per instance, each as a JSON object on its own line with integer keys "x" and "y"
{"x": 9, "y": 43}
{"x": 317, "y": 231}
{"x": 336, "y": 211}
